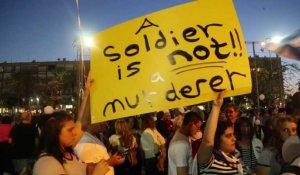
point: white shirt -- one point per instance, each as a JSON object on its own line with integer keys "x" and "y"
{"x": 179, "y": 154}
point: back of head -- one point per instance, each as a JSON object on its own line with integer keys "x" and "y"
{"x": 148, "y": 121}
{"x": 178, "y": 120}
{"x": 6, "y": 119}
{"x": 121, "y": 126}
{"x": 191, "y": 117}
{"x": 26, "y": 117}
{"x": 160, "y": 115}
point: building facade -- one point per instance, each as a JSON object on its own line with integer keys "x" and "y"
{"x": 42, "y": 83}
{"x": 39, "y": 83}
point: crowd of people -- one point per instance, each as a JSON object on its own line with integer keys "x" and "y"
{"x": 178, "y": 141}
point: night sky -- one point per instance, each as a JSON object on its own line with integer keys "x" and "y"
{"x": 45, "y": 29}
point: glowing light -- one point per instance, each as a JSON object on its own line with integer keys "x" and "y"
{"x": 263, "y": 44}
{"x": 88, "y": 42}
{"x": 276, "y": 39}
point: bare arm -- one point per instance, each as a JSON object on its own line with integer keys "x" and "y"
{"x": 78, "y": 128}
{"x": 207, "y": 144}
{"x": 85, "y": 97}
{"x": 162, "y": 158}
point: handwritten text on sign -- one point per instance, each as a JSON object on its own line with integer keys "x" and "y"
{"x": 175, "y": 57}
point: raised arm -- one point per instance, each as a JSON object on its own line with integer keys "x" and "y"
{"x": 78, "y": 128}
{"x": 207, "y": 144}
{"x": 86, "y": 94}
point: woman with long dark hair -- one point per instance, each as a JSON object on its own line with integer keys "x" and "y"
{"x": 57, "y": 156}
{"x": 249, "y": 148}
{"x": 215, "y": 155}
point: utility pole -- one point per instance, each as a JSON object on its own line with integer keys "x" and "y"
{"x": 256, "y": 81}
{"x": 255, "y": 69}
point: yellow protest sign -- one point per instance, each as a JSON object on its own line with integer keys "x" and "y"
{"x": 171, "y": 58}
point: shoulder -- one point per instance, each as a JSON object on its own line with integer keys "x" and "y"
{"x": 91, "y": 152}
{"x": 47, "y": 165}
{"x": 257, "y": 145}
{"x": 267, "y": 157}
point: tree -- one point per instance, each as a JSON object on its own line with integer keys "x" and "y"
{"x": 292, "y": 77}
{"x": 22, "y": 85}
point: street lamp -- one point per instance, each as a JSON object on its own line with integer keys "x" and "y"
{"x": 83, "y": 42}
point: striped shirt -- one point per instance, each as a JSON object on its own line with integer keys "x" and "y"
{"x": 219, "y": 166}
{"x": 248, "y": 158}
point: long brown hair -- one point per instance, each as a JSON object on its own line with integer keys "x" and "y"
{"x": 122, "y": 128}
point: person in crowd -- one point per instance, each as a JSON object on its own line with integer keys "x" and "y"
{"x": 24, "y": 138}
{"x": 180, "y": 149}
{"x": 153, "y": 146}
{"x": 267, "y": 124}
{"x": 160, "y": 124}
{"x": 296, "y": 103}
{"x": 5, "y": 147}
{"x": 270, "y": 160}
{"x": 136, "y": 130}
{"x": 56, "y": 153}
{"x": 87, "y": 146}
{"x": 168, "y": 123}
{"x": 124, "y": 142}
{"x": 177, "y": 123}
{"x": 232, "y": 112}
{"x": 291, "y": 154}
{"x": 258, "y": 129}
{"x": 249, "y": 148}
{"x": 91, "y": 150}
{"x": 215, "y": 153}
{"x": 47, "y": 112}
{"x": 197, "y": 138}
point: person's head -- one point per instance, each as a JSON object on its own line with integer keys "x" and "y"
{"x": 121, "y": 126}
{"x": 167, "y": 115}
{"x": 272, "y": 111}
{"x": 231, "y": 112}
{"x": 122, "y": 129}
{"x": 243, "y": 128}
{"x": 58, "y": 135}
{"x": 160, "y": 115}
{"x": 192, "y": 122}
{"x": 6, "y": 119}
{"x": 26, "y": 117}
{"x": 283, "y": 128}
{"x": 224, "y": 137}
{"x": 148, "y": 121}
{"x": 178, "y": 122}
